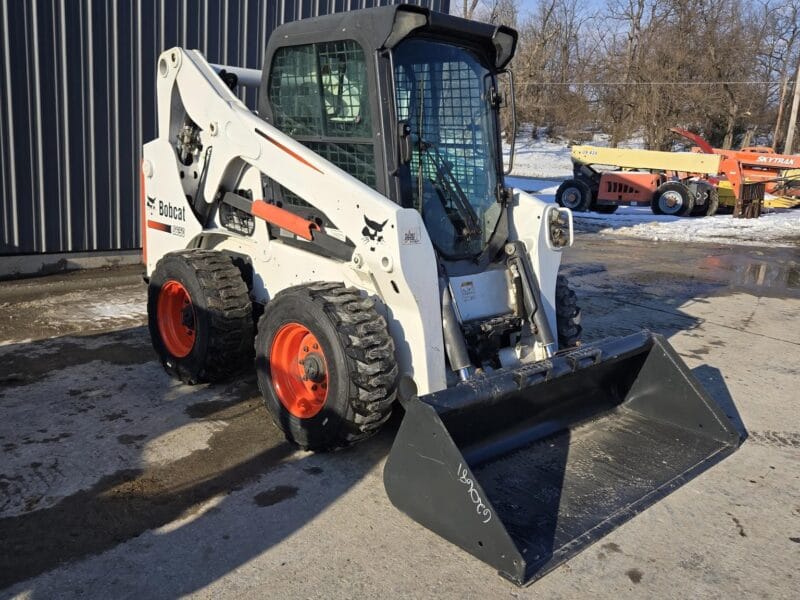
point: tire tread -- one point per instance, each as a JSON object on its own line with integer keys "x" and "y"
{"x": 568, "y": 314}
{"x": 369, "y": 349}
{"x": 230, "y": 343}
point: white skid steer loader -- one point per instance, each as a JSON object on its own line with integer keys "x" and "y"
{"x": 354, "y": 237}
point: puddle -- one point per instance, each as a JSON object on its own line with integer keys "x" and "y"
{"x": 777, "y": 274}
{"x": 779, "y": 277}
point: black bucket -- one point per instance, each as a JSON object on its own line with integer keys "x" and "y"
{"x": 526, "y": 467}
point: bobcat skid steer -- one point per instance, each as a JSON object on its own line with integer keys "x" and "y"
{"x": 355, "y": 239}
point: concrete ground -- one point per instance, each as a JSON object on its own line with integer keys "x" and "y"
{"x": 118, "y": 482}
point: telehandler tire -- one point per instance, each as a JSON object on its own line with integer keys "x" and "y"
{"x": 709, "y": 207}
{"x": 575, "y": 195}
{"x": 713, "y": 202}
{"x": 325, "y": 365}
{"x": 568, "y": 315}
{"x": 200, "y": 316}
{"x": 672, "y": 198}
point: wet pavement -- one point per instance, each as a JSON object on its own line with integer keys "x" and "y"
{"x": 116, "y": 481}
{"x": 702, "y": 267}
{"x": 78, "y": 302}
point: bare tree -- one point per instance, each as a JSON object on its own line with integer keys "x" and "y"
{"x": 780, "y": 51}
{"x": 719, "y": 67}
{"x": 499, "y": 12}
{"x": 469, "y": 8}
{"x": 549, "y": 62}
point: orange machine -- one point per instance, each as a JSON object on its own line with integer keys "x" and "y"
{"x": 751, "y": 164}
{"x": 671, "y": 183}
{"x": 622, "y": 187}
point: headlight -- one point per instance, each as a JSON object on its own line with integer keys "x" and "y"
{"x": 559, "y": 225}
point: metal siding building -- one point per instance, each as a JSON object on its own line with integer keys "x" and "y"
{"x": 77, "y": 99}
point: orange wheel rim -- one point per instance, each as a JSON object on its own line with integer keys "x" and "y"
{"x": 176, "y": 319}
{"x": 298, "y": 370}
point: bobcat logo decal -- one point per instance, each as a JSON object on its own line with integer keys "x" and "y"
{"x": 373, "y": 232}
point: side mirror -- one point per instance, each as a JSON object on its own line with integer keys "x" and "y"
{"x": 507, "y": 114}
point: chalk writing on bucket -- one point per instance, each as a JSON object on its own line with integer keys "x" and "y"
{"x": 473, "y": 494}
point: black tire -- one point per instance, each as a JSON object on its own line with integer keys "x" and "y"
{"x": 605, "y": 209}
{"x": 358, "y": 352}
{"x": 575, "y": 195}
{"x": 698, "y": 210}
{"x": 712, "y": 205}
{"x": 220, "y": 314}
{"x": 708, "y": 207}
{"x": 568, "y": 315}
{"x": 672, "y": 198}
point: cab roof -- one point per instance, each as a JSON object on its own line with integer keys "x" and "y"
{"x": 384, "y": 27}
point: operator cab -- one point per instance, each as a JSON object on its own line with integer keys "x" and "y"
{"x": 405, "y": 100}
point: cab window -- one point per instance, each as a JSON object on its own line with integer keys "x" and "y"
{"x": 321, "y": 90}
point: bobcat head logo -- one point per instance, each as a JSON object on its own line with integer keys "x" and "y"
{"x": 373, "y": 232}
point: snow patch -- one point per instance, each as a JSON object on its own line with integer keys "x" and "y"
{"x": 541, "y": 158}
{"x": 778, "y": 227}
{"x": 116, "y": 309}
{"x": 534, "y": 185}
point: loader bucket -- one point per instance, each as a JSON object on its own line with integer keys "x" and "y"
{"x": 525, "y": 467}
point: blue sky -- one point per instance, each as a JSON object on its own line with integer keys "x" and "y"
{"x": 527, "y": 5}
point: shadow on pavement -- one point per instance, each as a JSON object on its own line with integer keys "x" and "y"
{"x": 177, "y": 500}
{"x": 714, "y": 383}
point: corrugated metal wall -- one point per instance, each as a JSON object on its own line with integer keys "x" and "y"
{"x": 77, "y": 98}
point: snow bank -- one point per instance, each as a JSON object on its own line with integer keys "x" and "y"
{"x": 779, "y": 227}
{"x": 534, "y": 185}
{"x": 541, "y": 158}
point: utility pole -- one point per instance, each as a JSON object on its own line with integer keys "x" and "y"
{"x": 787, "y": 148}
{"x": 781, "y": 106}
